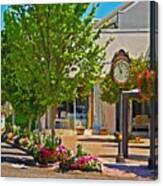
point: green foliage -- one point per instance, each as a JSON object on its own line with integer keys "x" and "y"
{"x": 136, "y": 67}
{"x": 24, "y": 132}
{"x": 21, "y": 120}
{"x": 35, "y": 137}
{"x": 42, "y": 46}
{"x": 110, "y": 90}
{"x": 49, "y": 143}
{"x": 80, "y": 152}
{"x": 8, "y": 127}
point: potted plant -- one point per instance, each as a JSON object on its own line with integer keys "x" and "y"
{"x": 80, "y": 129}
{"x": 118, "y": 136}
{"x": 103, "y": 131}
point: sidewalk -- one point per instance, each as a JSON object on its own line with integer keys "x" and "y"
{"x": 135, "y": 168}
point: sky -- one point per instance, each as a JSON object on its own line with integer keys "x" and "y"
{"x": 106, "y": 8}
{"x": 103, "y": 10}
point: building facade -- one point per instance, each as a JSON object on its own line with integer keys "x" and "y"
{"x": 130, "y": 28}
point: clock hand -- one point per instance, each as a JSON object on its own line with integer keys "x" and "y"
{"x": 120, "y": 69}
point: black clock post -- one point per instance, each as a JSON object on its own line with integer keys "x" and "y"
{"x": 120, "y": 74}
{"x": 120, "y": 156}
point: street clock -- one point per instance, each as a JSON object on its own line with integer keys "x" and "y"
{"x": 121, "y": 67}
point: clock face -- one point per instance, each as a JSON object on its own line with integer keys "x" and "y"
{"x": 121, "y": 71}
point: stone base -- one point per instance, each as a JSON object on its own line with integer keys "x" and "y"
{"x": 120, "y": 159}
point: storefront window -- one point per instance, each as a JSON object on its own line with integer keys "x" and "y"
{"x": 70, "y": 114}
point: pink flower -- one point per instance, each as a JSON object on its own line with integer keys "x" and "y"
{"x": 87, "y": 159}
{"x": 61, "y": 149}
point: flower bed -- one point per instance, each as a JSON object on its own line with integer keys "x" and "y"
{"x": 47, "y": 151}
{"x": 86, "y": 163}
{"x": 81, "y": 161}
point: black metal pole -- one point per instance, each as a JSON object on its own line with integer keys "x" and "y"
{"x": 153, "y": 103}
{"x": 125, "y": 124}
{"x": 120, "y": 156}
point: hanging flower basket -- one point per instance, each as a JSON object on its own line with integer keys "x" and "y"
{"x": 146, "y": 84}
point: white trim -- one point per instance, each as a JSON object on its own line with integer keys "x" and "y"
{"x": 128, "y": 8}
{"x": 126, "y": 31}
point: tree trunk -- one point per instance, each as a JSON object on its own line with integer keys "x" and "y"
{"x": 30, "y": 124}
{"x": 38, "y": 125}
{"x": 13, "y": 118}
{"x": 53, "y": 112}
{"x": 46, "y": 120}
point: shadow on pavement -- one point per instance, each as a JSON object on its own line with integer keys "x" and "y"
{"x": 142, "y": 171}
{"x": 17, "y": 160}
{"x": 130, "y": 157}
{"x": 138, "y": 157}
{"x": 15, "y": 153}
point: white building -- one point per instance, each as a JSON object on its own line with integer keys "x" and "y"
{"x": 129, "y": 26}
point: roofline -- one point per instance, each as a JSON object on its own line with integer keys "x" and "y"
{"x": 112, "y": 31}
{"x": 114, "y": 13}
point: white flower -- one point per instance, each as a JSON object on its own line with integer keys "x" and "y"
{"x": 73, "y": 71}
{"x": 42, "y": 59}
{"x": 73, "y": 44}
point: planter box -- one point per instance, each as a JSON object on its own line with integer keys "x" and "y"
{"x": 103, "y": 131}
{"x": 80, "y": 131}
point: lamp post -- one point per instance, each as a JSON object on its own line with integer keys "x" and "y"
{"x": 153, "y": 160}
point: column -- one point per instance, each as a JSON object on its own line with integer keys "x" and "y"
{"x": 91, "y": 110}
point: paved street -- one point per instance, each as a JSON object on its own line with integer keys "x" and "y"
{"x": 16, "y": 162}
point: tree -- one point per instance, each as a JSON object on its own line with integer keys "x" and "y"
{"x": 49, "y": 53}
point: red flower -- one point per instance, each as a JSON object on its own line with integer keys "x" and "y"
{"x": 139, "y": 79}
{"x": 147, "y": 74}
{"x": 45, "y": 153}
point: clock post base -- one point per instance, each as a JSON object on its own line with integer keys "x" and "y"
{"x": 120, "y": 159}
